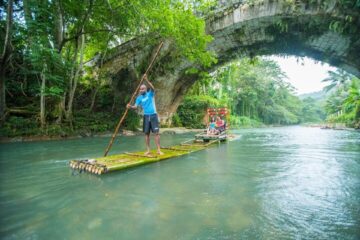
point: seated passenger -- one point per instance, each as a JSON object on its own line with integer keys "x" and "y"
{"x": 220, "y": 124}
{"x": 212, "y": 128}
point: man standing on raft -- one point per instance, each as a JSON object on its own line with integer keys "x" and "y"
{"x": 151, "y": 121}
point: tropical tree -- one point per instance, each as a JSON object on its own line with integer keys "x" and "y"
{"x": 252, "y": 88}
{"x": 352, "y": 102}
{"x": 5, "y": 56}
{"x": 49, "y": 43}
{"x": 336, "y": 79}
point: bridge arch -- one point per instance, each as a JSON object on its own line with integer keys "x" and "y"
{"x": 324, "y": 32}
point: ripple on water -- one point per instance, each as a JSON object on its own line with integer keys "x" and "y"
{"x": 278, "y": 183}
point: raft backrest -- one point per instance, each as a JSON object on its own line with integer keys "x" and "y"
{"x": 222, "y": 112}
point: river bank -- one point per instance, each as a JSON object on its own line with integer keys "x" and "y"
{"x": 174, "y": 130}
{"x": 333, "y": 126}
{"x": 170, "y": 131}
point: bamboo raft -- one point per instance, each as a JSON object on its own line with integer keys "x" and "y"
{"x": 127, "y": 160}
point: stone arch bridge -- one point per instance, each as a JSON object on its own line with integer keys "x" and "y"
{"x": 266, "y": 28}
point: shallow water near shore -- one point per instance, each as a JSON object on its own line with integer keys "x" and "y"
{"x": 271, "y": 183}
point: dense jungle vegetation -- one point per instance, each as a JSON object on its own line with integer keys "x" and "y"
{"x": 47, "y": 87}
{"x": 256, "y": 92}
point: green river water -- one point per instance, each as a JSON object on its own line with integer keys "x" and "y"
{"x": 273, "y": 183}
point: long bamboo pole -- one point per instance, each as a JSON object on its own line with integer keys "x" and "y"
{"x": 131, "y": 100}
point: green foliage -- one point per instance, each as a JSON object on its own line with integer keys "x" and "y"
{"x": 343, "y": 105}
{"x": 336, "y": 79}
{"x": 47, "y": 39}
{"x": 278, "y": 114}
{"x": 254, "y": 88}
{"x": 352, "y": 101}
{"x": 132, "y": 121}
{"x": 19, "y": 126}
{"x": 311, "y": 111}
{"x": 175, "y": 20}
{"x": 243, "y": 122}
{"x": 86, "y": 124}
{"x": 176, "y": 121}
{"x": 92, "y": 122}
{"x": 192, "y": 111}
{"x": 46, "y": 61}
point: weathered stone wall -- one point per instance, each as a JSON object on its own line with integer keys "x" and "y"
{"x": 272, "y": 27}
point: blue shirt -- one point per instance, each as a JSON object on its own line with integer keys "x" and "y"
{"x": 147, "y": 102}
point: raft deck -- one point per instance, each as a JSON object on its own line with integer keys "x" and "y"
{"x": 209, "y": 137}
{"x": 127, "y": 160}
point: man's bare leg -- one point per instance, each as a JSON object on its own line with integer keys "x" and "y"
{"x": 157, "y": 141}
{"x": 147, "y": 141}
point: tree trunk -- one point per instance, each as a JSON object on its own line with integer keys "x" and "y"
{"x": 68, "y": 112}
{"x": 96, "y": 86}
{"x": 61, "y": 109}
{"x": 93, "y": 98}
{"x": 2, "y": 95}
{"x": 73, "y": 82}
{"x": 114, "y": 104}
{"x": 242, "y": 108}
{"x": 42, "y": 98}
{"x": 5, "y": 57}
{"x": 59, "y": 26}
